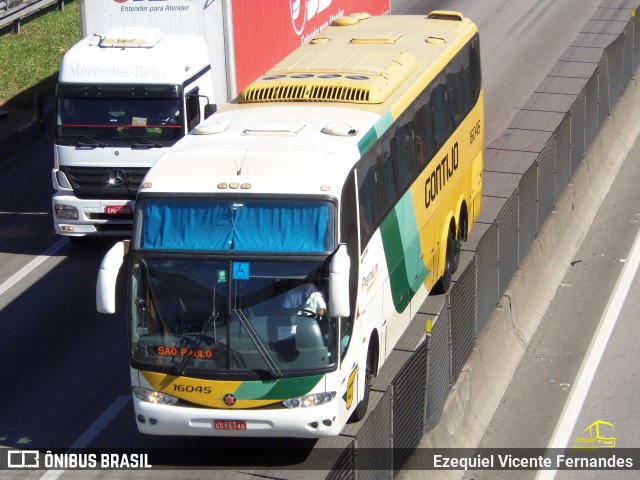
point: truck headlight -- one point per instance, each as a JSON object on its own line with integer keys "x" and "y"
{"x": 311, "y": 400}
{"x": 66, "y": 212}
{"x": 152, "y": 396}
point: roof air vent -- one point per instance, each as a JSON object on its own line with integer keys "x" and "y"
{"x": 352, "y": 86}
{"x": 339, "y": 130}
{"x": 131, "y": 37}
{"x": 445, "y": 15}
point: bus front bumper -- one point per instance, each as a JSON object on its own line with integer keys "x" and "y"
{"x": 311, "y": 422}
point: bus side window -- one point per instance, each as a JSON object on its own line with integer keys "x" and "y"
{"x": 368, "y": 198}
{"x": 456, "y": 92}
{"x": 475, "y": 71}
{"x": 442, "y": 120}
{"x": 403, "y": 151}
{"x": 346, "y": 331}
{"x": 349, "y": 235}
{"x": 424, "y": 135}
{"x": 387, "y": 182}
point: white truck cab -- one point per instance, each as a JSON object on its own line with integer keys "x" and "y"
{"x": 122, "y": 100}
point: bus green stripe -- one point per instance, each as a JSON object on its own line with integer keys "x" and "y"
{"x": 394, "y": 255}
{"x": 278, "y": 389}
{"x": 415, "y": 268}
{"x": 402, "y": 252}
{"x": 375, "y": 132}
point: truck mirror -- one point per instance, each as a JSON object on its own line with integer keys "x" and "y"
{"x": 210, "y": 109}
{"x": 339, "y": 283}
{"x": 107, "y": 276}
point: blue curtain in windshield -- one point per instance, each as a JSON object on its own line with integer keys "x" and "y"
{"x": 257, "y": 226}
{"x": 272, "y": 227}
{"x": 172, "y": 225}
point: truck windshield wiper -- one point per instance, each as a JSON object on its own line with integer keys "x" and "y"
{"x": 89, "y": 142}
{"x": 145, "y": 142}
{"x": 275, "y": 371}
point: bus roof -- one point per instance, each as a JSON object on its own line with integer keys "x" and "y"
{"x": 301, "y": 127}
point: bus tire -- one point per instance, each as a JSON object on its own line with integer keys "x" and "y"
{"x": 361, "y": 409}
{"x": 443, "y": 284}
{"x": 457, "y": 245}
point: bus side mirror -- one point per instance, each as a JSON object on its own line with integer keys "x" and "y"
{"x": 339, "y": 283}
{"x": 107, "y": 276}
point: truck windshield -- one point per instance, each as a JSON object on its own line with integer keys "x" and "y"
{"x": 137, "y": 122}
{"x": 239, "y": 225}
{"x": 207, "y": 317}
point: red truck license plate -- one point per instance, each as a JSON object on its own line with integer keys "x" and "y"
{"x": 118, "y": 210}
{"x": 230, "y": 424}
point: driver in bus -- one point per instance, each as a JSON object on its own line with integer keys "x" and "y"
{"x": 307, "y": 299}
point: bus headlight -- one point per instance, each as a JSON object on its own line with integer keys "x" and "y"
{"x": 311, "y": 400}
{"x": 152, "y": 396}
{"x": 66, "y": 212}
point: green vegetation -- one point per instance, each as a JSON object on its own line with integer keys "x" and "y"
{"x": 30, "y": 60}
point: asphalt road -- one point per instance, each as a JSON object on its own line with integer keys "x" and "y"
{"x": 65, "y": 367}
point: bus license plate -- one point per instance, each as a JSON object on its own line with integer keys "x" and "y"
{"x": 118, "y": 210}
{"x": 230, "y": 424}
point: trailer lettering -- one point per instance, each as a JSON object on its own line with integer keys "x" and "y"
{"x": 133, "y": 9}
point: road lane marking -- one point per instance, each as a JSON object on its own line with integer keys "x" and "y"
{"x": 93, "y": 431}
{"x": 567, "y": 422}
{"x": 32, "y": 265}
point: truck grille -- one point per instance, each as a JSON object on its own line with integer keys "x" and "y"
{"x": 105, "y": 182}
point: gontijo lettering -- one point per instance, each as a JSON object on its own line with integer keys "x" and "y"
{"x": 440, "y": 176}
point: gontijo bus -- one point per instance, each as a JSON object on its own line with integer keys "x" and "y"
{"x": 353, "y": 169}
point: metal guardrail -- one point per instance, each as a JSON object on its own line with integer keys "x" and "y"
{"x": 525, "y": 172}
{"x": 13, "y": 11}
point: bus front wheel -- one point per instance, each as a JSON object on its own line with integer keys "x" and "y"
{"x": 361, "y": 409}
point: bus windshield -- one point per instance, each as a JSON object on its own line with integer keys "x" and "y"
{"x": 240, "y": 225}
{"x": 208, "y": 317}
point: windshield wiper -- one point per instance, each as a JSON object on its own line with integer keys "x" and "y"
{"x": 180, "y": 368}
{"x": 145, "y": 143}
{"x": 89, "y": 142}
{"x": 275, "y": 371}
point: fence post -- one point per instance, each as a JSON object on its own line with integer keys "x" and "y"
{"x": 428, "y": 328}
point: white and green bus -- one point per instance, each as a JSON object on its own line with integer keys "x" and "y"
{"x": 280, "y": 250}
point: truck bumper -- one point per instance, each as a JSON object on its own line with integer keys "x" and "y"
{"x": 92, "y": 217}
